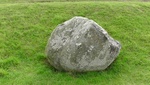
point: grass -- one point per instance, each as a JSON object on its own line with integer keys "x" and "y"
{"x": 26, "y": 27}
{"x": 31, "y": 1}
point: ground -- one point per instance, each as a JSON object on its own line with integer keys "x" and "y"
{"x": 26, "y": 27}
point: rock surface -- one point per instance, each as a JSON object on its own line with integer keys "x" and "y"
{"x": 81, "y": 45}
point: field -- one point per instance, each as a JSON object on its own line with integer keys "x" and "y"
{"x": 33, "y": 1}
{"x": 25, "y": 28}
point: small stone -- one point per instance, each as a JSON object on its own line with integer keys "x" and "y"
{"x": 81, "y": 45}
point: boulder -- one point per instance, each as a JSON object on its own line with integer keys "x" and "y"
{"x": 81, "y": 45}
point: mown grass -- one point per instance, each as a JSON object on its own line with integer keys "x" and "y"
{"x": 31, "y": 1}
{"x": 26, "y": 27}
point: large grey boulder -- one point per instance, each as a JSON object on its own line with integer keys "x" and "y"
{"x": 80, "y": 45}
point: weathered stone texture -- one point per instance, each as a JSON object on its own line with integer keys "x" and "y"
{"x": 81, "y": 45}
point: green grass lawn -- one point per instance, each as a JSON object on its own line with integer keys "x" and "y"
{"x": 26, "y": 27}
{"x": 31, "y": 1}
